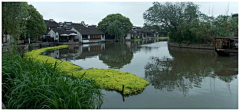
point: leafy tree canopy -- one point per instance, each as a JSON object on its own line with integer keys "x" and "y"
{"x": 169, "y": 15}
{"x": 186, "y": 24}
{"x": 114, "y": 30}
{"x": 35, "y": 21}
{"x": 123, "y": 23}
{"x": 14, "y": 16}
{"x": 19, "y": 17}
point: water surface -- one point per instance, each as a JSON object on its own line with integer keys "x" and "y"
{"x": 179, "y": 78}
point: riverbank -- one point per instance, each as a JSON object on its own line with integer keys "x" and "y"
{"x": 109, "y": 79}
{"x": 192, "y": 46}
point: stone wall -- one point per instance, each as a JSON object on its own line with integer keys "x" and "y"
{"x": 193, "y": 46}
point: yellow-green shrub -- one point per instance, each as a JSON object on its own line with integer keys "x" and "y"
{"x": 113, "y": 79}
{"x": 64, "y": 65}
{"x": 108, "y": 78}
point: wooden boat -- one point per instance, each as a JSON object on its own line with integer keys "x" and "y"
{"x": 226, "y": 46}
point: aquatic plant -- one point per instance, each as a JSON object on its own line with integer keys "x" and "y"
{"x": 162, "y": 38}
{"x": 64, "y": 65}
{"x": 114, "y": 80}
{"x": 31, "y": 84}
{"x": 109, "y": 79}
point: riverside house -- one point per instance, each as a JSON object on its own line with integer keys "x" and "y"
{"x": 72, "y": 32}
{"x": 140, "y": 33}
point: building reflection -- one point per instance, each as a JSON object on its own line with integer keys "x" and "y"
{"x": 115, "y": 55}
{"x": 74, "y": 52}
{"x": 188, "y": 68}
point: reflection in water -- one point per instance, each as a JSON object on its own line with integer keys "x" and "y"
{"x": 188, "y": 68}
{"x": 206, "y": 80}
{"x": 116, "y": 56}
{"x": 74, "y": 52}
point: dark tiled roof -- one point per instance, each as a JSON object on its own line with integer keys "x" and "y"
{"x": 62, "y": 31}
{"x": 92, "y": 26}
{"x": 77, "y": 25}
{"x": 51, "y": 24}
{"x": 89, "y": 31}
{"x": 66, "y": 32}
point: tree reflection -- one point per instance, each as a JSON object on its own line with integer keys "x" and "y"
{"x": 187, "y": 69}
{"x": 116, "y": 55}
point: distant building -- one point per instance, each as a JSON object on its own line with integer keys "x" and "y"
{"x": 75, "y": 32}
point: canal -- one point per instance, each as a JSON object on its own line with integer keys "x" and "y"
{"x": 179, "y": 78}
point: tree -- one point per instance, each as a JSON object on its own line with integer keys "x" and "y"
{"x": 14, "y": 16}
{"x": 170, "y": 15}
{"x": 35, "y": 22}
{"x": 115, "y": 22}
{"x": 114, "y": 30}
{"x": 234, "y": 26}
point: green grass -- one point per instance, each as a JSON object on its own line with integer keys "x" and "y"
{"x": 29, "y": 84}
{"x": 107, "y": 78}
{"x": 136, "y": 39}
{"x": 162, "y": 38}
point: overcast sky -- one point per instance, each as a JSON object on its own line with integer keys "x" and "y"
{"x": 93, "y": 12}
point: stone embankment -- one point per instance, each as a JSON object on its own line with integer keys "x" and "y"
{"x": 192, "y": 46}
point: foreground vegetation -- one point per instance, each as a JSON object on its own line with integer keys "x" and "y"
{"x": 27, "y": 83}
{"x": 107, "y": 78}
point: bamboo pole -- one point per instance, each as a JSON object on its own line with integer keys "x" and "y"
{"x": 123, "y": 92}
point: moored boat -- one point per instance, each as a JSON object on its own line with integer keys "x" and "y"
{"x": 226, "y": 46}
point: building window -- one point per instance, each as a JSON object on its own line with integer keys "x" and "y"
{"x": 84, "y": 37}
{"x": 95, "y": 36}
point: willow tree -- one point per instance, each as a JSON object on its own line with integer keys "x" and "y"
{"x": 14, "y": 16}
{"x": 114, "y": 29}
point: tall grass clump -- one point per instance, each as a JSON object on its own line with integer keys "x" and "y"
{"x": 29, "y": 84}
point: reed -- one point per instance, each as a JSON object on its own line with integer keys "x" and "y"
{"x": 27, "y": 83}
